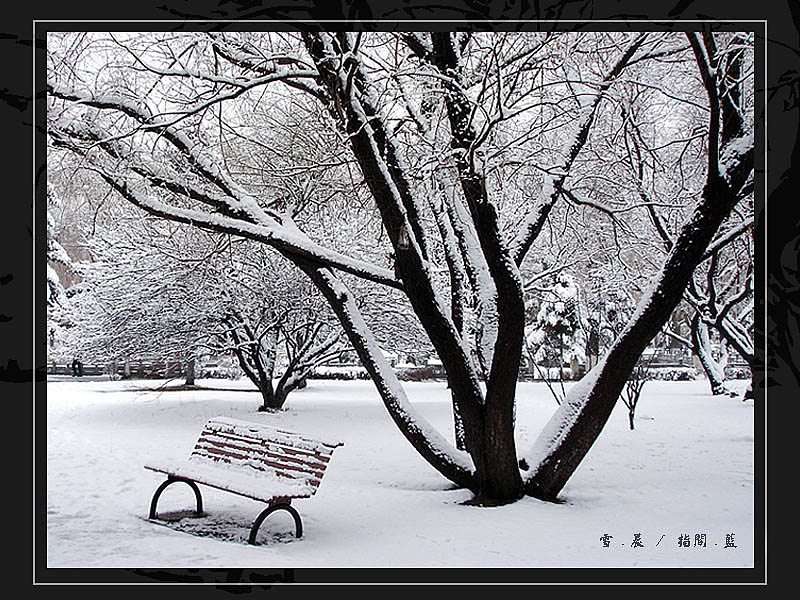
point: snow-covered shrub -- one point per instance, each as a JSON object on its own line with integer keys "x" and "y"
{"x": 674, "y": 373}
{"x": 419, "y": 373}
{"x": 555, "y": 337}
{"x": 220, "y": 372}
{"x": 347, "y": 373}
{"x": 737, "y": 372}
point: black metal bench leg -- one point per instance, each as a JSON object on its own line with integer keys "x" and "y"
{"x": 168, "y": 482}
{"x": 267, "y": 512}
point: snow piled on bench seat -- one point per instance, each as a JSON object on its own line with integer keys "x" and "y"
{"x": 267, "y": 433}
{"x": 251, "y": 483}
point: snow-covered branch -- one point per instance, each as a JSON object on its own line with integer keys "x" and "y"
{"x": 236, "y": 217}
{"x": 548, "y": 195}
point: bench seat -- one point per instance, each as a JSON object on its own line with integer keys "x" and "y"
{"x": 257, "y": 485}
{"x": 253, "y": 460}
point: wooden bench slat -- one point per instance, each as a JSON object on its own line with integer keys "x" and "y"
{"x": 307, "y": 478}
{"x": 248, "y": 452}
{"x": 245, "y": 460}
{"x": 235, "y": 456}
{"x": 321, "y": 451}
{"x": 258, "y": 446}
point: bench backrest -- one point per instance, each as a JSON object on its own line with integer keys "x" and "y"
{"x": 240, "y": 444}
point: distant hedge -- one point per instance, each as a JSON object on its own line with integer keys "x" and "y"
{"x": 674, "y": 373}
{"x": 419, "y": 373}
{"x": 340, "y": 373}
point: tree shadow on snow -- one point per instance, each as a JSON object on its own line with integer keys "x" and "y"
{"x": 179, "y": 388}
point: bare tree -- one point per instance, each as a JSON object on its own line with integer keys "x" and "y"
{"x": 719, "y": 293}
{"x": 633, "y": 387}
{"x": 185, "y": 293}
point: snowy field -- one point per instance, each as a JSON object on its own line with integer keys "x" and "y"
{"x": 687, "y": 469}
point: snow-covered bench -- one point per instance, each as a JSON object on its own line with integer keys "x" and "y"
{"x": 252, "y": 460}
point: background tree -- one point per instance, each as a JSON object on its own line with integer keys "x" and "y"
{"x": 184, "y": 293}
{"x": 723, "y": 302}
{"x": 555, "y": 336}
{"x": 722, "y": 283}
{"x": 57, "y": 302}
{"x": 632, "y": 391}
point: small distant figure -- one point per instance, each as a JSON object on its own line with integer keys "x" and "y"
{"x": 77, "y": 368}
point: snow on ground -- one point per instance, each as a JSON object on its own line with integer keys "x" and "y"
{"x": 687, "y": 469}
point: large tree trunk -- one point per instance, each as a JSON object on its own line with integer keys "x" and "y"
{"x": 488, "y": 423}
{"x": 502, "y": 481}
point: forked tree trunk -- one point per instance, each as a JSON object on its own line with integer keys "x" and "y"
{"x": 488, "y": 422}
{"x": 286, "y": 385}
{"x": 250, "y": 363}
{"x": 256, "y": 357}
{"x": 270, "y": 400}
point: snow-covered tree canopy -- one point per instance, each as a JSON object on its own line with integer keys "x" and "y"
{"x": 56, "y": 297}
{"x": 154, "y": 287}
{"x": 434, "y": 165}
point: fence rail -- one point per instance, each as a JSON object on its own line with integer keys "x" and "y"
{"x": 134, "y": 369}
